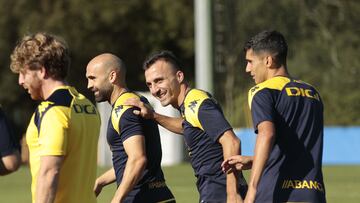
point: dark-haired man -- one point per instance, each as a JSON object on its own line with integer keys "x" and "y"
{"x": 288, "y": 120}
{"x": 208, "y": 136}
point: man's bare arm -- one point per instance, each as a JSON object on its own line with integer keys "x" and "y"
{"x": 135, "y": 165}
{"x": 105, "y": 179}
{"x": 231, "y": 147}
{"x": 48, "y": 178}
{"x": 264, "y": 143}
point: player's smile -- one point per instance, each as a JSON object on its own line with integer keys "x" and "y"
{"x": 162, "y": 94}
{"x": 95, "y": 91}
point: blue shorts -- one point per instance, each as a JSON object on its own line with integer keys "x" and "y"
{"x": 213, "y": 189}
{"x": 151, "y": 193}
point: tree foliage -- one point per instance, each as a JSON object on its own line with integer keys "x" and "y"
{"x": 130, "y": 29}
{"x": 324, "y": 43}
{"x": 323, "y": 37}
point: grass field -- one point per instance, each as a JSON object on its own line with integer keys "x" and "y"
{"x": 342, "y": 185}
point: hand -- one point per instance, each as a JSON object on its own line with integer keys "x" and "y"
{"x": 97, "y": 187}
{"x": 237, "y": 162}
{"x": 146, "y": 111}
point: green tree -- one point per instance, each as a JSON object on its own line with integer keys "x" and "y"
{"x": 323, "y": 50}
{"x": 129, "y": 29}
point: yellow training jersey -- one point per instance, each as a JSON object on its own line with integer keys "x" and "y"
{"x": 66, "y": 124}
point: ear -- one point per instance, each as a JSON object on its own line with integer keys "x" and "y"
{"x": 269, "y": 61}
{"x": 180, "y": 76}
{"x": 42, "y": 73}
{"x": 112, "y": 76}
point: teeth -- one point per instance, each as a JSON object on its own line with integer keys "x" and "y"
{"x": 161, "y": 94}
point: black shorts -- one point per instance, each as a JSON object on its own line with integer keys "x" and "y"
{"x": 213, "y": 189}
{"x": 151, "y": 193}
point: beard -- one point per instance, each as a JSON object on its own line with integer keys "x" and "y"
{"x": 100, "y": 98}
{"x": 104, "y": 94}
{"x": 34, "y": 90}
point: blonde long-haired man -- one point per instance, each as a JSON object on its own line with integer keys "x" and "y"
{"x": 63, "y": 132}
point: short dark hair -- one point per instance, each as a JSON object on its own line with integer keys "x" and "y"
{"x": 164, "y": 55}
{"x": 272, "y": 42}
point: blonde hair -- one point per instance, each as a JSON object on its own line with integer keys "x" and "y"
{"x": 41, "y": 50}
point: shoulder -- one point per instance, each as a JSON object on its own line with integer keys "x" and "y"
{"x": 195, "y": 98}
{"x": 303, "y": 89}
{"x": 59, "y": 105}
{"x": 59, "y": 100}
{"x": 62, "y": 97}
{"x": 276, "y": 83}
{"x": 305, "y": 85}
{"x": 119, "y": 108}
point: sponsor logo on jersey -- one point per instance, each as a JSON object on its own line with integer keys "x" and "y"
{"x": 118, "y": 110}
{"x": 302, "y": 92}
{"x": 302, "y": 184}
{"x": 193, "y": 104}
{"x": 87, "y": 108}
{"x": 43, "y": 106}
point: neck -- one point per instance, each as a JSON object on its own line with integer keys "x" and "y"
{"x": 184, "y": 88}
{"x": 117, "y": 91}
{"x": 49, "y": 86}
{"x": 278, "y": 72}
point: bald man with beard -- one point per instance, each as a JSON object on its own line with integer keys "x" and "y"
{"x": 134, "y": 141}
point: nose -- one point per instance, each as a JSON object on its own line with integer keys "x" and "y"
{"x": 89, "y": 85}
{"x": 248, "y": 67}
{"x": 154, "y": 89}
{"x": 21, "y": 79}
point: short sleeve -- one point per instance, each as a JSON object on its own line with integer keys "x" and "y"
{"x": 54, "y": 131}
{"x": 130, "y": 124}
{"x": 212, "y": 119}
{"x": 262, "y": 108}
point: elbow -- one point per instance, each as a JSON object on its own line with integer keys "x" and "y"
{"x": 270, "y": 136}
{"x": 9, "y": 169}
{"x": 11, "y": 163}
{"x": 142, "y": 162}
{"x": 236, "y": 144}
{"x": 230, "y": 143}
{"x": 138, "y": 162}
{"x": 49, "y": 174}
{"x": 14, "y": 166}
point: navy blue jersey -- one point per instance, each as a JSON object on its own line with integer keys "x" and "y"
{"x": 293, "y": 171}
{"x": 124, "y": 124}
{"x": 203, "y": 125}
{"x": 8, "y": 142}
